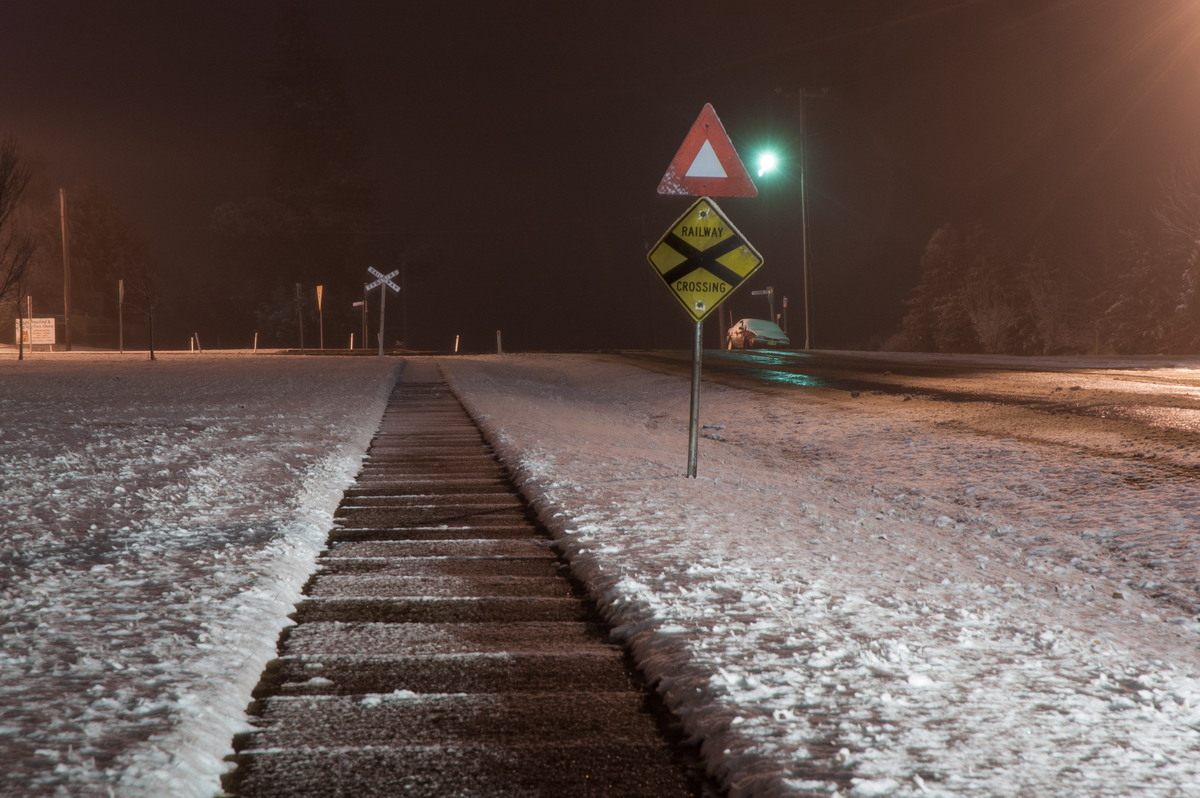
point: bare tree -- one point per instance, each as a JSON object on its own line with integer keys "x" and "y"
{"x": 16, "y": 241}
{"x": 142, "y": 293}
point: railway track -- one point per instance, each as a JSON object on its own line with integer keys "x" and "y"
{"x": 442, "y": 649}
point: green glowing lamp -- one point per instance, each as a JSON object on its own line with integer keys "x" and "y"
{"x": 767, "y": 162}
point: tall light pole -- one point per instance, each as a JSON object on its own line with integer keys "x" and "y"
{"x": 62, "y": 213}
{"x": 803, "y": 94}
{"x": 300, "y": 315}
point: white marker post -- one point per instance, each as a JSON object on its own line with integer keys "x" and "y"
{"x": 383, "y": 282}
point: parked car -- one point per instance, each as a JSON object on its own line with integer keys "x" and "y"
{"x": 756, "y": 334}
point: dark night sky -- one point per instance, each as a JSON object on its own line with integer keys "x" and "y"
{"x": 519, "y": 145}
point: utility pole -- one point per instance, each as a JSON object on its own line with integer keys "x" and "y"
{"x": 804, "y": 212}
{"x": 803, "y": 94}
{"x": 62, "y": 212}
{"x": 404, "y": 301}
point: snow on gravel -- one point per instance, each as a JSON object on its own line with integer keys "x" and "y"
{"x": 852, "y": 598}
{"x": 159, "y": 519}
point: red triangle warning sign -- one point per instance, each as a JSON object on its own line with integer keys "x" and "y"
{"x": 707, "y": 164}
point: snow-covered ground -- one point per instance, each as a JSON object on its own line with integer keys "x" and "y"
{"x": 159, "y": 520}
{"x": 852, "y": 596}
{"x": 858, "y": 595}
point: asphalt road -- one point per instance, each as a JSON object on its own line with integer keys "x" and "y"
{"x": 1099, "y": 405}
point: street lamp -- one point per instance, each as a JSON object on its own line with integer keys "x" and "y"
{"x": 767, "y": 162}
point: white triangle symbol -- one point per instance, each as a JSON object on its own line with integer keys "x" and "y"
{"x": 707, "y": 164}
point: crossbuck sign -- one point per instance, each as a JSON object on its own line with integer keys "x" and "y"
{"x": 383, "y": 279}
{"x": 383, "y": 282}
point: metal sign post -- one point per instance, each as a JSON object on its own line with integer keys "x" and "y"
{"x": 694, "y": 416}
{"x": 702, "y": 259}
{"x": 769, "y": 293}
{"x": 25, "y": 335}
{"x": 383, "y": 282}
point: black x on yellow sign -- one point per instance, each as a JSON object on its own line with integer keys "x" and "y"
{"x": 703, "y": 258}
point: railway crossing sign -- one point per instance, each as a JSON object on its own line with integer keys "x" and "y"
{"x": 383, "y": 279}
{"x": 703, "y": 258}
{"x": 706, "y": 164}
{"x": 383, "y": 282}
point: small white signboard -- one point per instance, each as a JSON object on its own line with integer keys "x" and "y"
{"x": 34, "y": 331}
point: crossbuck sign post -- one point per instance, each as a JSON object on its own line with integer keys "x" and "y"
{"x": 383, "y": 282}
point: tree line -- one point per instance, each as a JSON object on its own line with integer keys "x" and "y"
{"x": 313, "y": 223}
{"x": 316, "y": 219}
{"x": 104, "y": 249}
{"x": 977, "y": 295}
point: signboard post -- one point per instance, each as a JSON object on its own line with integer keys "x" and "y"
{"x": 769, "y": 293}
{"x": 383, "y": 282}
{"x": 702, "y": 259}
{"x": 20, "y": 336}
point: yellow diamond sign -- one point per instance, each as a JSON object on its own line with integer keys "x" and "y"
{"x": 703, "y": 258}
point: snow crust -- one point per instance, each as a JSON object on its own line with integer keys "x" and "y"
{"x": 856, "y": 598}
{"x": 159, "y": 520}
